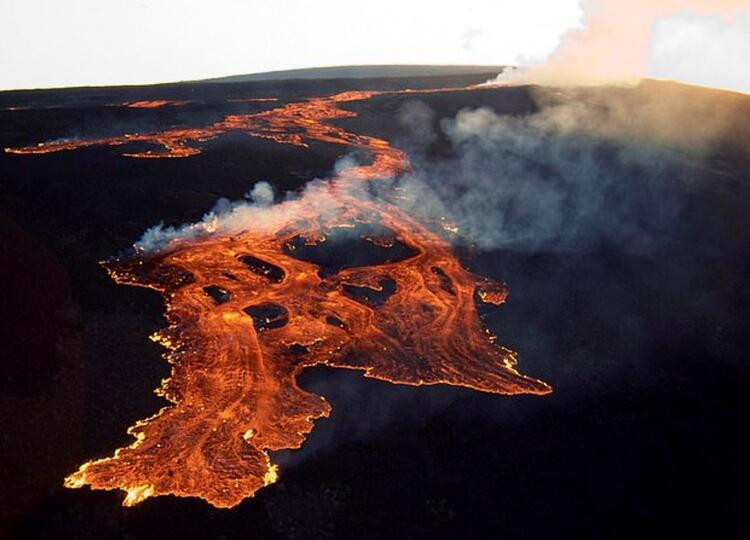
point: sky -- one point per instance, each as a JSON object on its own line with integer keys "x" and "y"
{"x": 57, "y": 43}
{"x": 53, "y": 43}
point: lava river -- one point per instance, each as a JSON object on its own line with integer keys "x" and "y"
{"x": 251, "y": 305}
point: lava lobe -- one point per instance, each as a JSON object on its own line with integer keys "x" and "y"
{"x": 362, "y": 286}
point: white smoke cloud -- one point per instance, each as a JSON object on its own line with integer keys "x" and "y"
{"x": 256, "y": 214}
{"x": 591, "y": 165}
{"x": 261, "y": 194}
{"x": 696, "y": 41}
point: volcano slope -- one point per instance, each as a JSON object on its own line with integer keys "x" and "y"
{"x": 631, "y": 309}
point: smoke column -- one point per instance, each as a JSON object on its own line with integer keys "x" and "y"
{"x": 695, "y": 41}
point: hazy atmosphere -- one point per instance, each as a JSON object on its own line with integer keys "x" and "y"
{"x": 46, "y": 44}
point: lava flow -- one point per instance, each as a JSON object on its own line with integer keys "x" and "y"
{"x": 251, "y": 305}
{"x": 293, "y": 123}
{"x": 153, "y": 104}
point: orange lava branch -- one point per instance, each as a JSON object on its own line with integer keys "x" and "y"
{"x": 294, "y": 123}
{"x": 155, "y": 103}
{"x": 249, "y": 310}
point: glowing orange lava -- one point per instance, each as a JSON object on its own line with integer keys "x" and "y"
{"x": 155, "y": 103}
{"x": 253, "y": 100}
{"x": 249, "y": 309}
{"x": 292, "y": 124}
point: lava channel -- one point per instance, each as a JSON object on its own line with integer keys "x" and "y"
{"x": 249, "y": 309}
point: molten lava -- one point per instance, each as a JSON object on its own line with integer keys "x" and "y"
{"x": 153, "y": 104}
{"x": 293, "y": 123}
{"x": 249, "y": 309}
{"x": 253, "y": 100}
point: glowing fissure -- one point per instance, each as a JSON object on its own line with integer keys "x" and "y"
{"x": 249, "y": 310}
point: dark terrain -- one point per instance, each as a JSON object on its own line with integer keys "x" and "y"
{"x": 643, "y": 436}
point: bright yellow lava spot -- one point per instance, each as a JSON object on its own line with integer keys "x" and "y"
{"x": 158, "y": 338}
{"x": 137, "y": 494}
{"x": 271, "y": 475}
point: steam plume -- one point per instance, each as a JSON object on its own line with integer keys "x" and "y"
{"x": 697, "y": 41}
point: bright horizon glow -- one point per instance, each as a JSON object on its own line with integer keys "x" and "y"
{"x": 48, "y": 43}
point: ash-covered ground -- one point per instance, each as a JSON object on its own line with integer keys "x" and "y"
{"x": 617, "y": 217}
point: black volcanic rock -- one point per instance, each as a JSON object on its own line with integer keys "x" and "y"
{"x": 646, "y": 350}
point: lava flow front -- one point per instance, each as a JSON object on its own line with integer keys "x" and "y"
{"x": 250, "y": 306}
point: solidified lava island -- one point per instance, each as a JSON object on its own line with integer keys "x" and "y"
{"x": 250, "y": 308}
